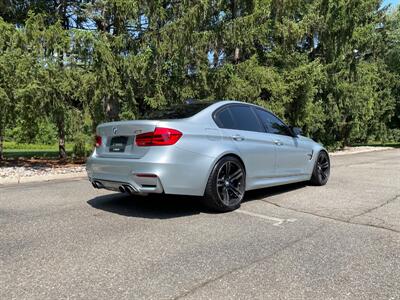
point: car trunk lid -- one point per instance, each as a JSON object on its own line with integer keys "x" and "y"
{"x": 118, "y": 138}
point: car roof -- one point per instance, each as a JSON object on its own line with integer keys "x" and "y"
{"x": 214, "y": 106}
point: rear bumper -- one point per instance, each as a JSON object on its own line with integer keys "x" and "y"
{"x": 111, "y": 174}
{"x": 174, "y": 170}
{"x": 125, "y": 187}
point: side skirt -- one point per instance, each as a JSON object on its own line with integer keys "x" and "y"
{"x": 253, "y": 184}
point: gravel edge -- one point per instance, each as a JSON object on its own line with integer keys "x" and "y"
{"x": 43, "y": 178}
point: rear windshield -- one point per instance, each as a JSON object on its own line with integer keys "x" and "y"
{"x": 177, "y": 111}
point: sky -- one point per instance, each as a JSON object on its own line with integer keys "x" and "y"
{"x": 392, "y": 2}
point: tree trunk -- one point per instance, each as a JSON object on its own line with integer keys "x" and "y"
{"x": 346, "y": 131}
{"x": 234, "y": 15}
{"x": 112, "y": 109}
{"x": 236, "y": 58}
{"x": 1, "y": 144}
{"x": 61, "y": 138}
{"x": 215, "y": 57}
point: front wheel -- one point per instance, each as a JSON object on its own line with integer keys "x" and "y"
{"x": 322, "y": 169}
{"x": 226, "y": 185}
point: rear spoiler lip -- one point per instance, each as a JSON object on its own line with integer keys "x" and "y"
{"x": 128, "y": 122}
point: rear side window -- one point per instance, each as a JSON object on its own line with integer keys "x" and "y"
{"x": 272, "y": 123}
{"x": 224, "y": 119}
{"x": 238, "y": 117}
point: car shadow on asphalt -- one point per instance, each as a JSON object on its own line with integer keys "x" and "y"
{"x": 156, "y": 206}
{"x": 272, "y": 191}
{"x": 160, "y": 206}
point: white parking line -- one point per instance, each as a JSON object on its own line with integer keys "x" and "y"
{"x": 277, "y": 221}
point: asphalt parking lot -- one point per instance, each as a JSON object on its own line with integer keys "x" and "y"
{"x": 63, "y": 239}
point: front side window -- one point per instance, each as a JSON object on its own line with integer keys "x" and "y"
{"x": 272, "y": 123}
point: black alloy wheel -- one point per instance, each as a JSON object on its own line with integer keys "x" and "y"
{"x": 226, "y": 185}
{"x": 322, "y": 168}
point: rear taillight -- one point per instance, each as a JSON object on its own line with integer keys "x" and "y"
{"x": 98, "y": 141}
{"x": 159, "y": 137}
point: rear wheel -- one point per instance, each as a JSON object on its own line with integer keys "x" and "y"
{"x": 226, "y": 185}
{"x": 322, "y": 169}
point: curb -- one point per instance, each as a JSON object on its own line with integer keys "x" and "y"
{"x": 43, "y": 178}
{"x": 358, "y": 150}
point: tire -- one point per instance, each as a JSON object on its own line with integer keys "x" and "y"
{"x": 226, "y": 185}
{"x": 321, "y": 170}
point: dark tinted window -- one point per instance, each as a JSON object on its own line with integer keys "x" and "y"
{"x": 245, "y": 119}
{"x": 224, "y": 119}
{"x": 177, "y": 111}
{"x": 238, "y": 117}
{"x": 272, "y": 123}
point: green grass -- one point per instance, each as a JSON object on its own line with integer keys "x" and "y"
{"x": 15, "y": 150}
{"x": 34, "y": 147}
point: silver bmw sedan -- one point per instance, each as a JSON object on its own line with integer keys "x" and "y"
{"x": 215, "y": 150}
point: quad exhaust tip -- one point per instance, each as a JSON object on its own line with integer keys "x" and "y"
{"x": 129, "y": 189}
{"x": 97, "y": 185}
{"x": 124, "y": 188}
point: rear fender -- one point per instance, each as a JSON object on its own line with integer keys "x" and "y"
{"x": 233, "y": 152}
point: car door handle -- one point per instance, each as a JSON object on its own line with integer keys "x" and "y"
{"x": 278, "y": 143}
{"x": 238, "y": 137}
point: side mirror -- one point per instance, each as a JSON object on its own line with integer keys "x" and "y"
{"x": 296, "y": 131}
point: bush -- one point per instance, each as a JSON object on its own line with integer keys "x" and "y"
{"x": 394, "y": 134}
{"x": 47, "y": 133}
{"x": 80, "y": 149}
